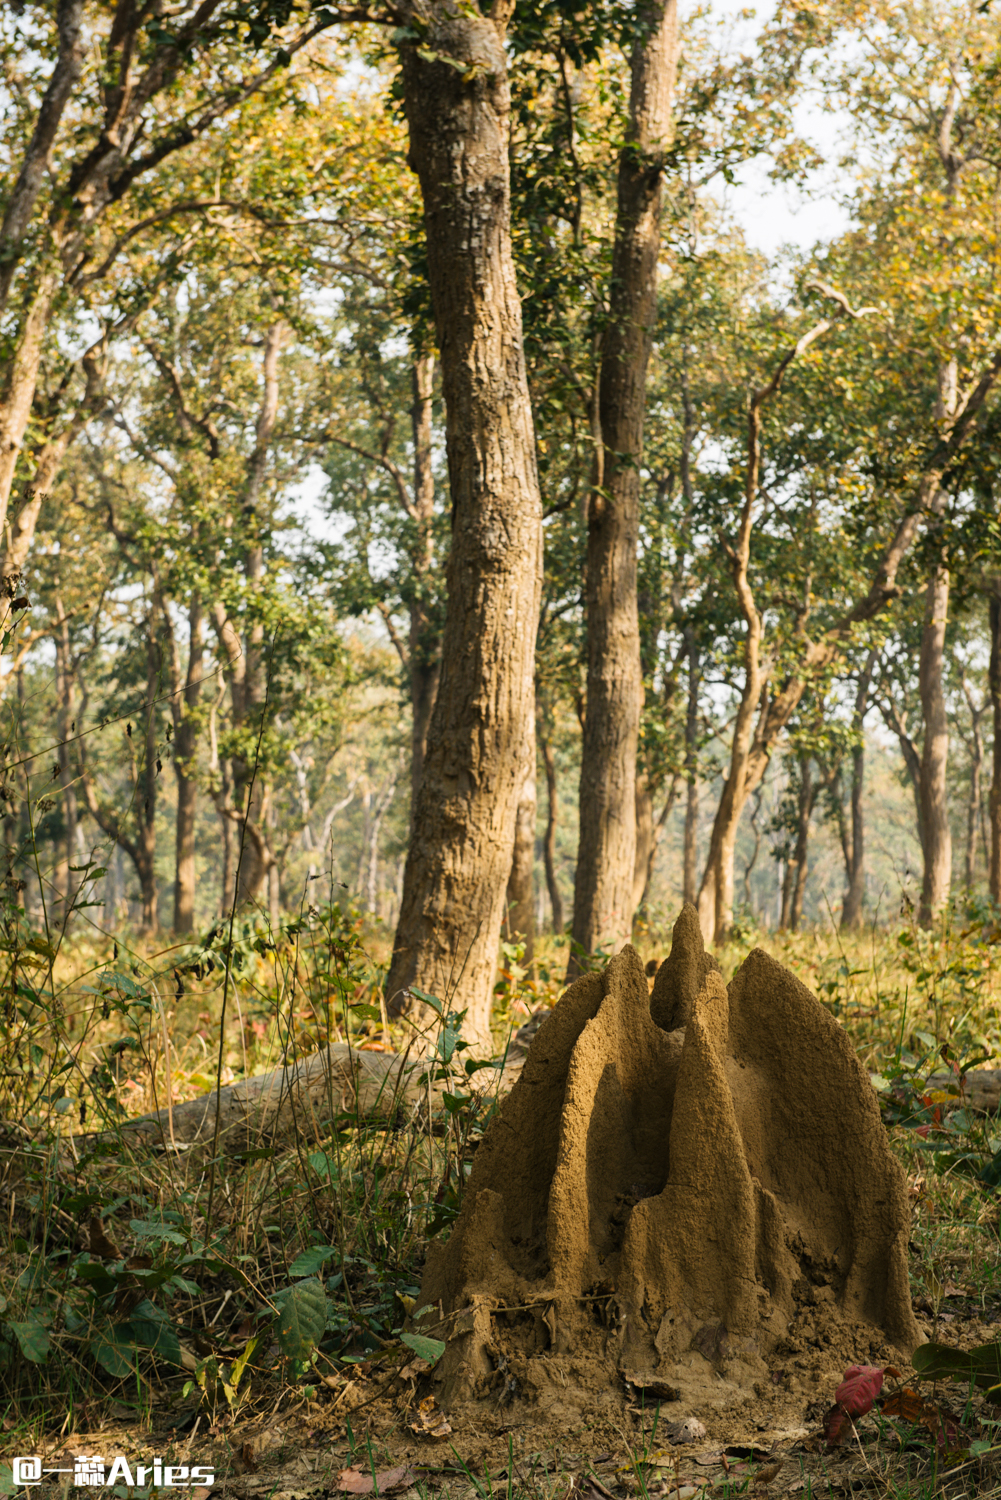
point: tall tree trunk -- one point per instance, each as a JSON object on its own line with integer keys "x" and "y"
{"x": 994, "y": 687}
{"x": 935, "y": 752}
{"x": 756, "y": 828}
{"x": 606, "y": 856}
{"x": 138, "y": 836}
{"x": 246, "y": 669}
{"x": 690, "y": 855}
{"x": 20, "y": 382}
{"x": 851, "y": 907}
{"x": 520, "y": 900}
{"x": 646, "y": 839}
{"x": 459, "y": 856}
{"x": 807, "y": 797}
{"x": 184, "y": 706}
{"x": 549, "y": 844}
{"x": 62, "y": 879}
{"x": 424, "y": 657}
{"x": 973, "y": 806}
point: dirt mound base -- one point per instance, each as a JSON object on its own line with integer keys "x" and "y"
{"x": 678, "y": 1189}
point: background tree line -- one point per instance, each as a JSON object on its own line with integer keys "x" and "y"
{"x": 400, "y": 444}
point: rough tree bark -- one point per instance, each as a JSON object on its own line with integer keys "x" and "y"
{"x": 459, "y": 857}
{"x": 606, "y": 856}
{"x": 691, "y": 839}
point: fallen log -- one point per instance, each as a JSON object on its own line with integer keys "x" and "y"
{"x": 297, "y": 1097}
{"x": 980, "y": 1088}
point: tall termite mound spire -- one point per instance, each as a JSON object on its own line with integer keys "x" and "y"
{"x": 675, "y": 1183}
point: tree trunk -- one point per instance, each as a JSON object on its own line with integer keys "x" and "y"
{"x": 646, "y": 839}
{"x": 606, "y": 856}
{"x": 424, "y": 659}
{"x": 851, "y": 907}
{"x": 935, "y": 752}
{"x": 21, "y": 379}
{"x": 184, "y": 708}
{"x": 549, "y": 845}
{"x": 973, "y": 807}
{"x": 994, "y": 686}
{"x": 459, "y": 857}
{"x": 807, "y": 797}
{"x": 756, "y": 827}
{"x": 690, "y": 889}
{"x": 520, "y": 901}
{"x": 65, "y": 714}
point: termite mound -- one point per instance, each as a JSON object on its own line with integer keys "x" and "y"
{"x": 681, "y": 1190}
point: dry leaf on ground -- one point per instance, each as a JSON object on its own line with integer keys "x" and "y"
{"x": 360, "y": 1482}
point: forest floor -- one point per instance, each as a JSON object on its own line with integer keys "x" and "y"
{"x": 193, "y": 1264}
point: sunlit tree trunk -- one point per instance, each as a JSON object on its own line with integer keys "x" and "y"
{"x": 424, "y": 660}
{"x": 461, "y": 843}
{"x": 937, "y": 841}
{"x": 549, "y": 844}
{"x": 606, "y": 856}
{"x": 851, "y": 909}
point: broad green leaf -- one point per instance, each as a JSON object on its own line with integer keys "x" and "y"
{"x": 152, "y": 1229}
{"x": 151, "y": 1328}
{"x": 982, "y": 1365}
{"x": 312, "y": 1260}
{"x": 323, "y": 1165}
{"x": 366, "y": 1012}
{"x": 429, "y": 1349}
{"x": 112, "y": 1351}
{"x": 303, "y": 1319}
{"x": 33, "y": 1338}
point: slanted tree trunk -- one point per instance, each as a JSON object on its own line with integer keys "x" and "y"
{"x": 245, "y": 664}
{"x": 606, "y": 857}
{"x": 994, "y": 688}
{"x": 549, "y": 844}
{"x": 459, "y": 857}
{"x": 937, "y": 841}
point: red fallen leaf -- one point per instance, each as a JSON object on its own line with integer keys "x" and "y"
{"x": 858, "y": 1391}
{"x": 834, "y": 1425}
{"x": 358, "y": 1482}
